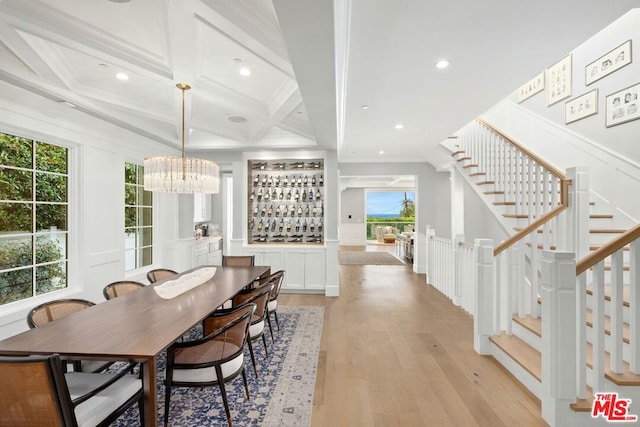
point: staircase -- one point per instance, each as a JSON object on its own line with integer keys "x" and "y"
{"x": 539, "y": 211}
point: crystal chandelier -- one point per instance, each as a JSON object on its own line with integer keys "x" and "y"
{"x": 181, "y": 174}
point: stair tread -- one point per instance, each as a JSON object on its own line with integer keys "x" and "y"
{"x": 600, "y": 216}
{"x": 485, "y": 182}
{"x": 516, "y": 216}
{"x": 504, "y": 203}
{"x": 477, "y": 173}
{"x": 607, "y": 230}
{"x": 455, "y": 153}
{"x": 470, "y": 165}
{"x": 607, "y": 325}
{"x": 626, "y": 378}
{"x": 494, "y": 192}
{"x": 522, "y": 353}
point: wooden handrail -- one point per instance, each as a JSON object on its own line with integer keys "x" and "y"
{"x": 564, "y": 204}
{"x": 530, "y": 154}
{"x": 611, "y": 247}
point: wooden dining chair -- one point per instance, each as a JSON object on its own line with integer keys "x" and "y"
{"x": 277, "y": 279}
{"x": 238, "y": 260}
{"x": 216, "y": 358}
{"x": 121, "y": 287}
{"x": 36, "y": 392}
{"x": 260, "y": 297}
{"x": 158, "y": 274}
{"x": 53, "y": 310}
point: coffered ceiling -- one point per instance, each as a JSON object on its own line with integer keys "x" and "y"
{"x": 313, "y": 65}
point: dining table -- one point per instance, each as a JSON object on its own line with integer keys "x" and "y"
{"x": 137, "y": 326}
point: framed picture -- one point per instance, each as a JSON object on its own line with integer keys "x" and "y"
{"x": 608, "y": 63}
{"x": 622, "y": 106}
{"x": 559, "y": 81}
{"x": 530, "y": 88}
{"x": 580, "y": 107}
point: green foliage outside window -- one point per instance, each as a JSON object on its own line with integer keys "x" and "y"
{"x": 33, "y": 208}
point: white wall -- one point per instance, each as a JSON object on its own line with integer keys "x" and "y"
{"x": 612, "y": 154}
{"x": 353, "y": 224}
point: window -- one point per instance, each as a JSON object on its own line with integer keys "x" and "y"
{"x": 34, "y": 184}
{"x": 138, "y": 219}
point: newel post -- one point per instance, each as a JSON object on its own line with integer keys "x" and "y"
{"x": 558, "y": 337}
{"x": 458, "y": 277}
{"x": 484, "y": 299}
{"x": 430, "y": 234}
{"x": 576, "y": 228}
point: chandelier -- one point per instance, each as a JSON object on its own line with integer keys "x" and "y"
{"x": 181, "y": 174}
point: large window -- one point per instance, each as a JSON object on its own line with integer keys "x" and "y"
{"x": 138, "y": 219}
{"x": 33, "y": 218}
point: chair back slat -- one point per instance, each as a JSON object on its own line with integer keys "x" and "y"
{"x": 238, "y": 260}
{"x": 160, "y": 274}
{"x": 123, "y": 287}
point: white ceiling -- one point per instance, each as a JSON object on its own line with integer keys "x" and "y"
{"x": 314, "y": 64}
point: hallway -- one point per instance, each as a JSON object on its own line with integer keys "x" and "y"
{"x": 396, "y": 352}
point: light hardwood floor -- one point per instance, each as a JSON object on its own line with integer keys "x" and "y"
{"x": 396, "y": 352}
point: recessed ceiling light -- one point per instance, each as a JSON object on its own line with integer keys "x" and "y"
{"x": 381, "y": 152}
{"x": 122, "y": 76}
{"x": 237, "y": 119}
{"x": 244, "y": 71}
{"x": 442, "y": 64}
{"x": 399, "y": 126}
{"x": 119, "y": 1}
{"x": 365, "y": 107}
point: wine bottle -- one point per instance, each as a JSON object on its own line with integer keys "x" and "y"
{"x": 255, "y": 211}
{"x": 252, "y": 196}
{"x": 320, "y": 224}
{"x": 278, "y": 181}
{"x": 296, "y": 197}
{"x": 293, "y": 211}
{"x": 289, "y": 195}
{"x": 312, "y": 225}
{"x": 260, "y": 225}
{"x": 252, "y": 223}
{"x": 285, "y": 182}
{"x": 304, "y": 226}
{"x": 263, "y": 211}
{"x": 270, "y": 182}
{"x": 298, "y": 225}
{"x": 306, "y": 212}
{"x": 299, "y": 210}
{"x": 274, "y": 195}
{"x": 273, "y": 226}
{"x": 313, "y": 180}
{"x": 318, "y": 195}
{"x": 266, "y": 195}
{"x": 288, "y": 226}
{"x": 281, "y": 226}
{"x": 299, "y": 180}
{"x": 270, "y": 211}
{"x": 281, "y": 195}
{"x": 256, "y": 180}
{"x": 260, "y": 195}
{"x": 306, "y": 180}
{"x": 321, "y": 182}
{"x": 264, "y": 180}
{"x": 304, "y": 196}
{"x": 311, "y": 195}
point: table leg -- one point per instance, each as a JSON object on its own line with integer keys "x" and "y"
{"x": 150, "y": 392}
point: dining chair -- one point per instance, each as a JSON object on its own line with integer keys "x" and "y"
{"x": 277, "y": 279}
{"x": 37, "y": 392}
{"x": 238, "y": 260}
{"x": 53, "y": 310}
{"x": 160, "y": 274}
{"x": 121, "y": 287}
{"x": 216, "y": 358}
{"x": 260, "y": 297}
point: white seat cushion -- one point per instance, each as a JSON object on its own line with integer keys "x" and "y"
{"x": 208, "y": 374}
{"x": 97, "y": 408}
{"x": 272, "y": 305}
{"x": 256, "y": 329}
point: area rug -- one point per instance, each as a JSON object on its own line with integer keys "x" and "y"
{"x": 367, "y": 258}
{"x": 282, "y": 395}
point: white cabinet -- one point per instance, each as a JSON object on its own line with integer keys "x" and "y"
{"x": 272, "y": 257}
{"x": 304, "y": 269}
{"x": 201, "y": 207}
{"x": 200, "y": 253}
{"x": 207, "y": 252}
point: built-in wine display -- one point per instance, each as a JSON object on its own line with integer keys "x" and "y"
{"x": 286, "y": 201}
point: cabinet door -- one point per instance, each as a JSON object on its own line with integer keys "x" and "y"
{"x": 265, "y": 256}
{"x": 215, "y": 258}
{"x": 314, "y": 270}
{"x": 294, "y": 270}
{"x": 200, "y": 254}
{"x": 201, "y": 207}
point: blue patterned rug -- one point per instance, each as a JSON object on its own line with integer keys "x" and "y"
{"x": 282, "y": 395}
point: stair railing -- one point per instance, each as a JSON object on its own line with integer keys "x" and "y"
{"x": 595, "y": 261}
{"x": 536, "y": 191}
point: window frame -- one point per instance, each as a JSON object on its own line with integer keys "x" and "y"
{"x": 137, "y": 268}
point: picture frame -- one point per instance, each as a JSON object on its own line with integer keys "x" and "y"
{"x": 608, "y": 63}
{"x": 622, "y": 106}
{"x": 558, "y": 78}
{"x": 583, "y": 106}
{"x": 530, "y": 88}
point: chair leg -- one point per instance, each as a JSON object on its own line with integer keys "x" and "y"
{"x": 264, "y": 341}
{"x": 253, "y": 359}
{"x": 275, "y": 313}
{"x": 167, "y": 400}
{"x": 224, "y": 394}
{"x": 141, "y": 409}
{"x": 246, "y": 385}
{"x": 270, "y": 328}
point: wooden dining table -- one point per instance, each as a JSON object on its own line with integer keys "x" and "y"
{"x": 134, "y": 327}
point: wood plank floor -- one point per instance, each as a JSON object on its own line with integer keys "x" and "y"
{"x": 396, "y": 352}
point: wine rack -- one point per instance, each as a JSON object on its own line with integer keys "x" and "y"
{"x": 286, "y": 202}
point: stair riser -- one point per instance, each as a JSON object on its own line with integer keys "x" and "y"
{"x": 525, "y": 378}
